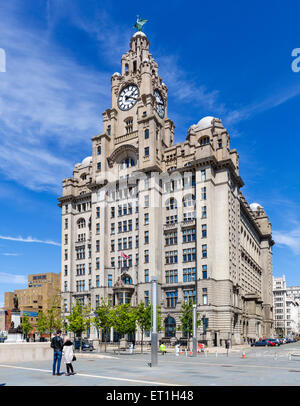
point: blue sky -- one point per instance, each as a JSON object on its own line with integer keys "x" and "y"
{"x": 229, "y": 60}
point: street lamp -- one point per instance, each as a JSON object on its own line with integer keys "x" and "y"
{"x": 154, "y": 306}
{"x": 194, "y": 330}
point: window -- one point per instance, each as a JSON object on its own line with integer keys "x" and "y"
{"x": 146, "y": 134}
{"x": 204, "y": 271}
{"x": 203, "y": 193}
{"x": 146, "y": 151}
{"x": 171, "y": 204}
{"x": 204, "y": 296}
{"x": 99, "y": 166}
{"x": 90, "y": 284}
{"x": 171, "y": 219}
{"x": 66, "y": 208}
{"x": 66, "y": 224}
{"x": 204, "y": 251}
{"x": 66, "y": 286}
{"x": 204, "y": 141}
{"x": 65, "y": 305}
{"x": 129, "y": 125}
{"x": 146, "y": 201}
{"x": 80, "y": 269}
{"x": 97, "y": 263}
{"x": 146, "y": 237}
{"x": 81, "y": 223}
{"x": 172, "y": 276}
{"x": 189, "y": 201}
{"x": 97, "y": 212}
{"x": 172, "y": 298}
{"x": 66, "y": 255}
{"x": 189, "y": 274}
{"x": 204, "y": 230}
{"x": 189, "y": 235}
{"x": 219, "y": 143}
{"x": 99, "y": 150}
{"x": 146, "y": 298}
{"x": 203, "y": 174}
{"x": 108, "y": 129}
{"x": 112, "y": 228}
{"x": 189, "y": 295}
{"x": 146, "y": 256}
{"x": 112, "y": 212}
{"x": 171, "y": 257}
{"x": 97, "y": 281}
{"x": 97, "y": 301}
{"x": 204, "y": 213}
{"x": 146, "y": 275}
{"x": 97, "y": 245}
{"x": 66, "y": 239}
{"x": 189, "y": 254}
{"x": 146, "y": 217}
{"x": 109, "y": 281}
{"x": 66, "y": 270}
{"x": 97, "y": 228}
{"x": 171, "y": 238}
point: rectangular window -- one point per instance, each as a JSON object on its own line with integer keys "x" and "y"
{"x": 112, "y": 212}
{"x": 66, "y": 224}
{"x": 204, "y": 251}
{"x": 97, "y": 281}
{"x": 109, "y": 281}
{"x": 190, "y": 295}
{"x": 204, "y": 230}
{"x": 146, "y": 275}
{"x": 97, "y": 228}
{"x": 189, "y": 254}
{"x": 97, "y": 301}
{"x": 203, "y": 174}
{"x": 99, "y": 166}
{"x": 203, "y": 193}
{"x": 146, "y": 217}
{"x": 146, "y": 133}
{"x": 66, "y": 255}
{"x": 97, "y": 263}
{"x": 98, "y": 212}
{"x": 66, "y": 270}
{"x": 189, "y": 274}
{"x": 97, "y": 245}
{"x": 204, "y": 271}
{"x": 146, "y": 201}
{"x": 172, "y": 298}
{"x": 204, "y": 213}
{"x": 171, "y": 257}
{"x": 189, "y": 235}
{"x": 66, "y": 239}
{"x": 99, "y": 150}
{"x": 146, "y": 256}
{"x": 112, "y": 228}
{"x": 172, "y": 276}
{"x": 171, "y": 238}
{"x": 66, "y": 286}
{"x": 146, "y": 237}
{"x": 146, "y": 151}
{"x": 147, "y": 298}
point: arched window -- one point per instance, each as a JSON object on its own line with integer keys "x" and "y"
{"x": 171, "y": 203}
{"x": 170, "y": 327}
{"x": 81, "y": 223}
{"x": 204, "y": 141}
{"x": 189, "y": 200}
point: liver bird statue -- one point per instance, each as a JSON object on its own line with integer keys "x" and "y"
{"x": 139, "y": 23}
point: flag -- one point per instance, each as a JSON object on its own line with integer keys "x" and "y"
{"x": 124, "y": 255}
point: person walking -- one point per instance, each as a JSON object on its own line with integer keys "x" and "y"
{"x": 163, "y": 349}
{"x": 57, "y": 344}
{"x": 69, "y": 355}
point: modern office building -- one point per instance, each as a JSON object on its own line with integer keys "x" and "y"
{"x": 42, "y": 288}
{"x": 141, "y": 206}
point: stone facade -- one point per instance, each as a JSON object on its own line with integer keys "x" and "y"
{"x": 142, "y": 206}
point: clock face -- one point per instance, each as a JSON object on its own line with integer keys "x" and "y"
{"x": 160, "y": 105}
{"x": 128, "y": 97}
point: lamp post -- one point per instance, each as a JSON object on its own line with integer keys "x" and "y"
{"x": 154, "y": 303}
{"x": 194, "y": 330}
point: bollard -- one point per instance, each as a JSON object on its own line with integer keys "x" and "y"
{"x": 244, "y": 355}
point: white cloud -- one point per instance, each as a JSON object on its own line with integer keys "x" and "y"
{"x": 12, "y": 279}
{"x": 10, "y": 254}
{"x": 29, "y": 239}
{"x": 290, "y": 239}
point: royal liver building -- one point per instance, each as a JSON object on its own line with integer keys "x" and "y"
{"x": 142, "y": 206}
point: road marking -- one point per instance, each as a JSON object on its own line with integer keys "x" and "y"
{"x": 97, "y": 376}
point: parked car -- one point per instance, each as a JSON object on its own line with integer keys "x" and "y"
{"x": 85, "y": 345}
{"x": 274, "y": 342}
{"x": 260, "y": 343}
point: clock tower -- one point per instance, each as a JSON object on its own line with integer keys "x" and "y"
{"x": 138, "y": 115}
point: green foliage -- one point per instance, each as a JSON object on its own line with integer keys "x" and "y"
{"x": 186, "y": 318}
{"x": 79, "y": 319}
{"x": 26, "y": 325}
{"x": 53, "y": 315}
{"x": 42, "y": 322}
{"x": 123, "y": 319}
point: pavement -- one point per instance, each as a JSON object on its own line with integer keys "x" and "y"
{"x": 243, "y": 366}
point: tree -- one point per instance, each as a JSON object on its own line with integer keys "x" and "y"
{"x": 26, "y": 325}
{"x": 42, "y": 324}
{"x": 123, "y": 319}
{"x": 79, "y": 320}
{"x": 53, "y": 314}
{"x": 102, "y": 319}
{"x": 143, "y": 318}
{"x": 186, "y": 318}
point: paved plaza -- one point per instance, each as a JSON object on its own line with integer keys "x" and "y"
{"x": 262, "y": 366}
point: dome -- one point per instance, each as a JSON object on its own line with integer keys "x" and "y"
{"x": 87, "y": 161}
{"x": 116, "y": 74}
{"x": 255, "y": 206}
{"x": 205, "y": 122}
{"x": 139, "y": 33}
